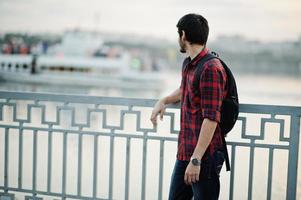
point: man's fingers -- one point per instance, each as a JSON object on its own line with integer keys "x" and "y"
{"x": 161, "y": 114}
{"x": 154, "y": 116}
{"x": 194, "y": 178}
{"x": 189, "y": 179}
{"x": 154, "y": 119}
{"x": 197, "y": 177}
{"x": 186, "y": 179}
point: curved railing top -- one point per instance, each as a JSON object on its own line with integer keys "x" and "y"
{"x": 74, "y": 98}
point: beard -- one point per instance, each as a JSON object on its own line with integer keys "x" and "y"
{"x": 182, "y": 50}
{"x": 182, "y": 47}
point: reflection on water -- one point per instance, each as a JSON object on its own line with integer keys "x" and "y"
{"x": 252, "y": 89}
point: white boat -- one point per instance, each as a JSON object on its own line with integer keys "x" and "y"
{"x": 73, "y": 67}
{"x": 98, "y": 72}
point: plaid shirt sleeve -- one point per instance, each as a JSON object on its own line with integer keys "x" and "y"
{"x": 212, "y": 84}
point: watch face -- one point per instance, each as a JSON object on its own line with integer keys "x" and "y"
{"x": 195, "y": 162}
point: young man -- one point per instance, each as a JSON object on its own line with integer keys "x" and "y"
{"x": 200, "y": 148}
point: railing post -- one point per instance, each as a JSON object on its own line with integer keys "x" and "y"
{"x": 293, "y": 157}
{"x": 6, "y": 159}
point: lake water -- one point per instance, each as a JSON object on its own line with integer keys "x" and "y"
{"x": 253, "y": 89}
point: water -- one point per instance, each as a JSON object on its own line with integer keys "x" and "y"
{"x": 252, "y": 89}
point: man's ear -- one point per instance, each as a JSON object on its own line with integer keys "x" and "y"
{"x": 183, "y": 35}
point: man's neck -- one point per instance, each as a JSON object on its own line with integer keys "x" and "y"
{"x": 194, "y": 50}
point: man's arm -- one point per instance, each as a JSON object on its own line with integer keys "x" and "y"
{"x": 205, "y": 137}
{"x": 174, "y": 97}
{"x": 159, "y": 107}
{"x": 213, "y": 82}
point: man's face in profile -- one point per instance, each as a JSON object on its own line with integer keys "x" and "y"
{"x": 181, "y": 43}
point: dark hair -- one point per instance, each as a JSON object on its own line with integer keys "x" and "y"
{"x": 196, "y": 28}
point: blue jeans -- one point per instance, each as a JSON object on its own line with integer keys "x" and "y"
{"x": 208, "y": 186}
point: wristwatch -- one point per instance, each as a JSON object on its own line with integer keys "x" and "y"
{"x": 195, "y": 161}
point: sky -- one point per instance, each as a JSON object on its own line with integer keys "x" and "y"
{"x": 264, "y": 20}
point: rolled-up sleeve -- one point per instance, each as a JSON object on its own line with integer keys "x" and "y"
{"x": 212, "y": 84}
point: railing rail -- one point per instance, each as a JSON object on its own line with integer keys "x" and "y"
{"x": 284, "y": 116}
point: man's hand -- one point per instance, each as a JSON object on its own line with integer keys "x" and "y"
{"x": 192, "y": 174}
{"x": 159, "y": 108}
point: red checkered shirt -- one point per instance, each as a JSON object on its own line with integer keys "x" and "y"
{"x": 212, "y": 90}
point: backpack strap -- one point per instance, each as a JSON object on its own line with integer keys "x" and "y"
{"x": 198, "y": 72}
{"x": 227, "y": 161}
{"x": 200, "y": 67}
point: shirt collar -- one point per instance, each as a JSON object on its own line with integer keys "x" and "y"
{"x": 196, "y": 59}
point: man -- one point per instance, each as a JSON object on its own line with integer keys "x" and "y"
{"x": 200, "y": 148}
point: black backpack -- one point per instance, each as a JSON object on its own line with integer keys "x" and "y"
{"x": 230, "y": 104}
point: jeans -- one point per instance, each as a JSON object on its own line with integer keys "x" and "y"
{"x": 208, "y": 186}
